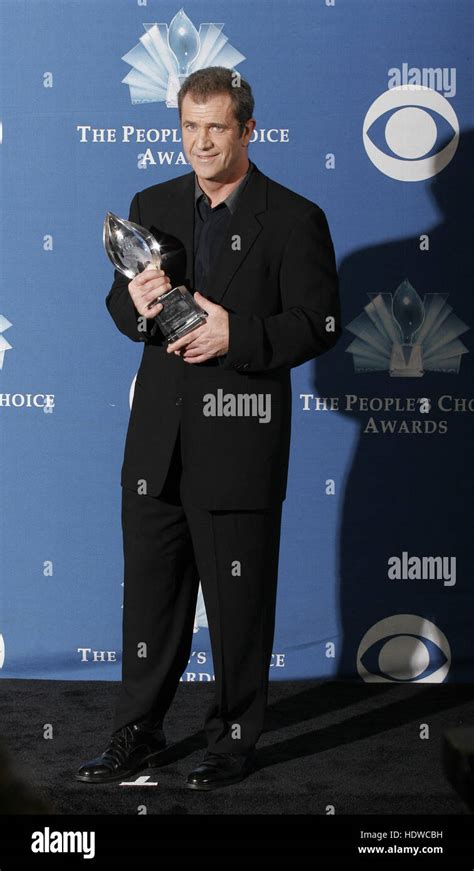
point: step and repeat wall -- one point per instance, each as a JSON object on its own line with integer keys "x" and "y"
{"x": 364, "y": 107}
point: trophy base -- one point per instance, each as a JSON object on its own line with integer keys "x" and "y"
{"x": 188, "y": 328}
{"x": 180, "y": 314}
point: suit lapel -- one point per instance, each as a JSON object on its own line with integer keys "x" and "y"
{"x": 178, "y": 218}
{"x": 243, "y": 230}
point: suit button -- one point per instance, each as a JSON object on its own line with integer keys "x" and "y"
{"x": 179, "y": 400}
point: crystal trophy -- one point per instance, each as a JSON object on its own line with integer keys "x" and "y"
{"x": 132, "y": 248}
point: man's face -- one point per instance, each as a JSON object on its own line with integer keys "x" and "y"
{"x": 211, "y": 138}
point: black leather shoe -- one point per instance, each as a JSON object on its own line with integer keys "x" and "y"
{"x": 221, "y": 769}
{"x": 129, "y": 750}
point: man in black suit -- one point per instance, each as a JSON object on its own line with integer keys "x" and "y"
{"x": 206, "y": 454}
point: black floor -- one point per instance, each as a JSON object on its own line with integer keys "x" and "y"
{"x": 355, "y": 747}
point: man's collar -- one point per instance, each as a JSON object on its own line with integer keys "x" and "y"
{"x": 231, "y": 200}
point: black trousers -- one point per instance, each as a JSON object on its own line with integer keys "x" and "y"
{"x": 169, "y": 546}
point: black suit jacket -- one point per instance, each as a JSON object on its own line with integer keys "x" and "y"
{"x": 279, "y": 285}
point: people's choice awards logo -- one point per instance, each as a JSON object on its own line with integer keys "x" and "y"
{"x": 4, "y": 345}
{"x": 410, "y": 132}
{"x": 404, "y": 648}
{"x": 407, "y": 336}
{"x": 166, "y": 55}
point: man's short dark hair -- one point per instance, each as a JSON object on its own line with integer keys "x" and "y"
{"x": 210, "y": 81}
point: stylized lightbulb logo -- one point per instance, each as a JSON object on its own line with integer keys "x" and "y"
{"x": 183, "y": 42}
{"x": 408, "y": 311}
{"x": 168, "y": 53}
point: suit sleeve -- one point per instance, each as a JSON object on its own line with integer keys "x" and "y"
{"x": 120, "y": 304}
{"x": 310, "y": 321}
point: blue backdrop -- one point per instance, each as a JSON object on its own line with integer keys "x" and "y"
{"x": 363, "y": 106}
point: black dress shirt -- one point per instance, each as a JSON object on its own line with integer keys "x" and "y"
{"x": 210, "y": 227}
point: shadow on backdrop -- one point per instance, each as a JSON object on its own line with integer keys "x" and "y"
{"x": 409, "y": 491}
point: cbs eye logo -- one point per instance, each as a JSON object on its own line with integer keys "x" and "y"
{"x": 404, "y": 648}
{"x": 410, "y": 132}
